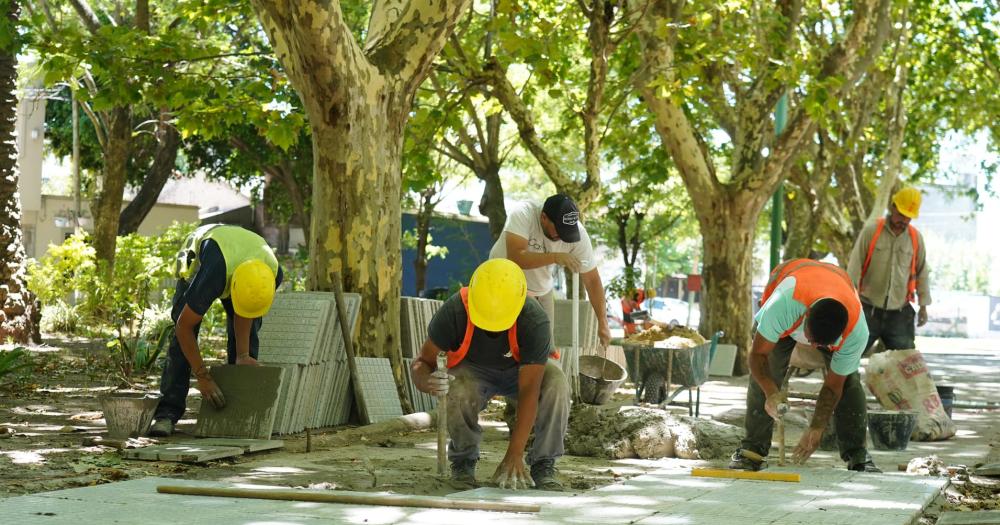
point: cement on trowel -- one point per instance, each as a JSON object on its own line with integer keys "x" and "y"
{"x": 251, "y": 393}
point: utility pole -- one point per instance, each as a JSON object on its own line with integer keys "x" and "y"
{"x": 778, "y": 199}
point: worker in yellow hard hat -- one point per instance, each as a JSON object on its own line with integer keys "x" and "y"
{"x": 498, "y": 343}
{"x": 222, "y": 262}
{"x": 889, "y": 267}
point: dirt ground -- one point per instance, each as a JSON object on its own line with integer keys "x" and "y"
{"x": 47, "y": 415}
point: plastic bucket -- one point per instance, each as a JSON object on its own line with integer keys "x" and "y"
{"x": 129, "y": 415}
{"x": 891, "y": 429}
{"x": 599, "y": 378}
{"x": 947, "y": 394}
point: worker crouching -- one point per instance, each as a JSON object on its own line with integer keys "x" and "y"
{"x": 498, "y": 342}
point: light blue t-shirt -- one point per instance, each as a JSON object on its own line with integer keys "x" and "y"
{"x": 781, "y": 311}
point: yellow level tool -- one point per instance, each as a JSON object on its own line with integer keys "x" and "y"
{"x": 746, "y": 474}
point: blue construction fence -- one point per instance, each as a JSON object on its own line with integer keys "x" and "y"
{"x": 468, "y": 241}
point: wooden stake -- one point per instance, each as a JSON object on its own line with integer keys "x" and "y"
{"x": 349, "y": 499}
{"x": 345, "y": 331}
{"x": 746, "y": 474}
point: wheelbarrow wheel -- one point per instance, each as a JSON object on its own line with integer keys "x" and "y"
{"x": 653, "y": 389}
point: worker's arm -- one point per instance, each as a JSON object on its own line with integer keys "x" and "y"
{"x": 184, "y": 330}
{"x": 829, "y": 396}
{"x": 923, "y": 281}
{"x": 517, "y": 251}
{"x": 511, "y": 470}
{"x": 595, "y": 292}
{"x": 426, "y": 377}
{"x": 760, "y": 369}
{"x": 243, "y": 326}
{"x": 858, "y": 254}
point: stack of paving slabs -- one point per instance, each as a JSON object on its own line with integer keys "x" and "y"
{"x": 301, "y": 334}
{"x": 422, "y": 402}
{"x": 414, "y": 316}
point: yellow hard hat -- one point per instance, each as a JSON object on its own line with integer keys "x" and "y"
{"x": 497, "y": 292}
{"x": 252, "y": 289}
{"x": 907, "y": 201}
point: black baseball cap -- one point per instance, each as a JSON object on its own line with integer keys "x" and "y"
{"x": 562, "y": 211}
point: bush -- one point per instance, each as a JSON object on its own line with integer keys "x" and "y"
{"x": 13, "y": 360}
{"x": 121, "y": 304}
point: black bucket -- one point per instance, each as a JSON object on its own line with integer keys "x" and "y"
{"x": 891, "y": 429}
{"x": 947, "y": 394}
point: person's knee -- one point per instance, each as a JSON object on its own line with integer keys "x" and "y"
{"x": 555, "y": 386}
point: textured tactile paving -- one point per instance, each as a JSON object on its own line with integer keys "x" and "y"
{"x": 251, "y": 397}
{"x": 381, "y": 402}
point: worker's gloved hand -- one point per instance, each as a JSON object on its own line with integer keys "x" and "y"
{"x": 438, "y": 382}
{"x": 210, "y": 391}
{"x": 773, "y": 401}
{"x": 922, "y": 316}
{"x": 807, "y": 445}
{"x": 569, "y": 261}
{"x": 246, "y": 360}
{"x": 512, "y": 473}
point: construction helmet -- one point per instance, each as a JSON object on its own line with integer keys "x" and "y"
{"x": 497, "y": 292}
{"x": 252, "y": 289}
{"x": 907, "y": 201}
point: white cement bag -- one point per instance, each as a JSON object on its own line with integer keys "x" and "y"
{"x": 900, "y": 381}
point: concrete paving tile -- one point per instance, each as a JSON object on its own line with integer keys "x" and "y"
{"x": 182, "y": 453}
{"x": 251, "y": 395}
{"x": 379, "y": 387}
{"x": 248, "y": 445}
{"x": 979, "y": 517}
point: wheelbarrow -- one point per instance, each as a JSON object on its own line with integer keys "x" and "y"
{"x": 658, "y": 367}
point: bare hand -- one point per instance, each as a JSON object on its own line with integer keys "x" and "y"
{"x": 438, "y": 382}
{"x": 569, "y": 261}
{"x": 773, "y": 403}
{"x": 922, "y": 316}
{"x": 604, "y": 335}
{"x": 511, "y": 473}
{"x": 246, "y": 360}
{"x": 211, "y": 391}
{"x": 807, "y": 445}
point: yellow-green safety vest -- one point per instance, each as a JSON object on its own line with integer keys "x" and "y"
{"x": 237, "y": 244}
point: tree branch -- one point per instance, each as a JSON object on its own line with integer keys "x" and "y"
{"x": 87, "y": 16}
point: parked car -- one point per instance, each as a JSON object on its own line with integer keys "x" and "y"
{"x": 672, "y": 311}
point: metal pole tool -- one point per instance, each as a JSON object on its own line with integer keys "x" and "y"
{"x": 442, "y": 421}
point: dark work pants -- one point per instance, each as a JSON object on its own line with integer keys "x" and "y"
{"x": 895, "y": 327}
{"x": 850, "y": 414}
{"x": 175, "y": 381}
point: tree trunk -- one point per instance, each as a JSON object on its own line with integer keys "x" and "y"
{"x": 106, "y": 206}
{"x": 727, "y": 241}
{"x": 491, "y": 205}
{"x": 423, "y": 233}
{"x": 163, "y": 166}
{"x": 16, "y": 323}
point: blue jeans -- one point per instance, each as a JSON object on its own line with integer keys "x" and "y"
{"x": 472, "y": 390}
{"x": 176, "y": 378}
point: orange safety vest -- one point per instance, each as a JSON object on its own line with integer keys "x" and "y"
{"x": 911, "y": 284}
{"x": 630, "y": 328}
{"x": 813, "y": 281}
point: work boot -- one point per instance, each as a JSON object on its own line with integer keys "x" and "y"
{"x": 867, "y": 466}
{"x": 463, "y": 470}
{"x": 543, "y": 473}
{"x": 161, "y": 428}
{"x": 742, "y": 462}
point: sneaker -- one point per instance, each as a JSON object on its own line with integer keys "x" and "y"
{"x": 867, "y": 466}
{"x": 463, "y": 470}
{"x": 543, "y": 473}
{"x": 161, "y": 428}
{"x": 741, "y": 462}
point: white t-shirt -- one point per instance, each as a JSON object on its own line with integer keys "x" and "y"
{"x": 524, "y": 220}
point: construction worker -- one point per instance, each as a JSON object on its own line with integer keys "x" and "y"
{"x": 538, "y": 237}
{"x": 812, "y": 303}
{"x": 630, "y": 304}
{"x": 498, "y": 343}
{"x": 889, "y": 267}
{"x": 222, "y": 262}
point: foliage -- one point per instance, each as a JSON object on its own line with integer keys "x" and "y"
{"x": 625, "y": 284}
{"x": 123, "y": 305}
{"x": 14, "y": 360}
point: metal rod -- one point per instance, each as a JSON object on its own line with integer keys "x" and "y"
{"x": 442, "y": 422}
{"x": 350, "y": 499}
